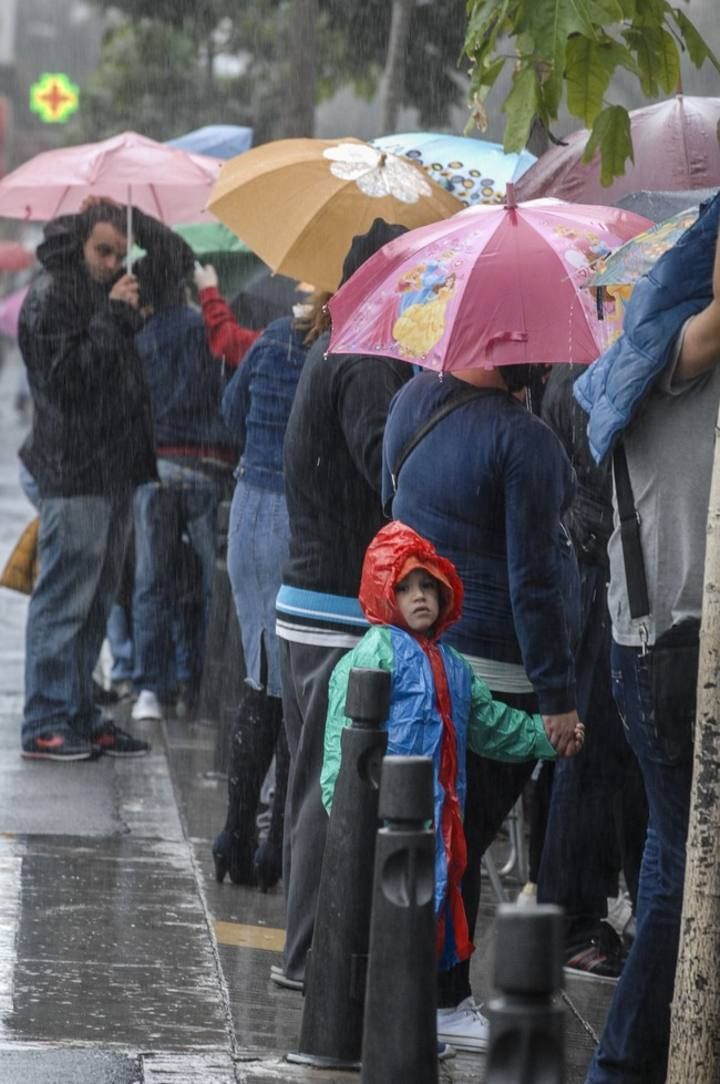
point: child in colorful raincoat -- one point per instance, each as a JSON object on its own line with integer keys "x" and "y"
{"x": 410, "y": 594}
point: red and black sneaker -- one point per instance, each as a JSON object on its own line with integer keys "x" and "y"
{"x": 114, "y": 742}
{"x": 597, "y": 954}
{"x": 60, "y": 744}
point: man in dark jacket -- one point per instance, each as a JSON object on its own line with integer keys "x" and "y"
{"x": 582, "y": 854}
{"x": 91, "y": 445}
{"x": 333, "y": 449}
{"x": 195, "y": 458}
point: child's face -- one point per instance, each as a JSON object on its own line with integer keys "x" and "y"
{"x": 418, "y": 600}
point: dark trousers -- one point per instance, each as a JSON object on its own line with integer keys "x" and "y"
{"x": 305, "y": 671}
{"x": 598, "y": 814}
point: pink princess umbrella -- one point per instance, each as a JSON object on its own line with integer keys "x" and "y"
{"x": 489, "y": 286}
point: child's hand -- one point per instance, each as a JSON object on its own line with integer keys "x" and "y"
{"x": 578, "y": 741}
{"x": 561, "y": 730}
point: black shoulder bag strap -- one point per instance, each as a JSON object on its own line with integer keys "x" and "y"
{"x": 630, "y": 537}
{"x": 450, "y": 404}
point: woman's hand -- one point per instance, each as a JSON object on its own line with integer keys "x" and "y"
{"x": 205, "y": 277}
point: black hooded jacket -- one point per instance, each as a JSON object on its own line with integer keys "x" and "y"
{"x": 333, "y": 452}
{"x": 92, "y": 430}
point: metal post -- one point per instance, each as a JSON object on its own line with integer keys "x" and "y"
{"x": 400, "y": 1034}
{"x": 526, "y": 1025}
{"x": 331, "y": 1030}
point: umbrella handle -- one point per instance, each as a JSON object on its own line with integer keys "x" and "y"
{"x": 129, "y": 230}
{"x": 507, "y": 337}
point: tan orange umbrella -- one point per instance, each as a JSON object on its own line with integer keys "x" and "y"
{"x": 298, "y": 203}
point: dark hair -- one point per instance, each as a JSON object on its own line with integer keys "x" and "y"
{"x": 101, "y": 212}
{"x": 516, "y": 377}
{"x": 317, "y": 320}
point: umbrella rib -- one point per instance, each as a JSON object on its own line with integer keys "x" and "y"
{"x": 58, "y": 205}
{"x": 156, "y": 202}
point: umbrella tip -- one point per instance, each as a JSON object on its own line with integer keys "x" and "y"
{"x": 510, "y": 200}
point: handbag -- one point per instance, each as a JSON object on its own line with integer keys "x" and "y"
{"x": 673, "y": 659}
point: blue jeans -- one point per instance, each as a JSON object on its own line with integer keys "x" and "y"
{"x": 185, "y": 500}
{"x": 81, "y": 546}
{"x": 257, "y": 550}
{"x": 119, "y": 636}
{"x": 634, "y": 1044}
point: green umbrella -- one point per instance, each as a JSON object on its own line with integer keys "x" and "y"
{"x": 216, "y": 244}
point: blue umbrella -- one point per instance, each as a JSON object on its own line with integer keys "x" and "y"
{"x": 472, "y": 169}
{"x": 215, "y": 140}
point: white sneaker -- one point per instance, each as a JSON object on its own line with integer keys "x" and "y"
{"x": 620, "y": 915}
{"x": 147, "y": 706}
{"x": 464, "y": 1026}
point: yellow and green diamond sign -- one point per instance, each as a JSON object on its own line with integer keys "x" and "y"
{"x": 54, "y": 97}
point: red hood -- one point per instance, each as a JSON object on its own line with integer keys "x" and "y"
{"x": 394, "y": 552}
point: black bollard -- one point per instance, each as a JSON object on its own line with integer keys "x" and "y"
{"x": 400, "y": 1032}
{"x": 526, "y": 1026}
{"x": 331, "y": 1030}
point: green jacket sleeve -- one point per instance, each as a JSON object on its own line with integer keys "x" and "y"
{"x": 503, "y": 733}
{"x": 375, "y": 652}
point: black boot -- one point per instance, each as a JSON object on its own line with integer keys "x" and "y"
{"x": 250, "y": 756}
{"x": 268, "y": 857}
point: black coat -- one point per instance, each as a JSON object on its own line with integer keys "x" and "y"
{"x": 333, "y": 459}
{"x": 92, "y": 430}
{"x": 590, "y": 517}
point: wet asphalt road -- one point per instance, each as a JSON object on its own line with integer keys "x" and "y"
{"x": 121, "y": 960}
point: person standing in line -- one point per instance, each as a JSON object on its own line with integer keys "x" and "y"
{"x": 602, "y": 787}
{"x": 195, "y": 456}
{"x": 332, "y": 463}
{"x": 470, "y": 468}
{"x": 438, "y": 707}
{"x": 655, "y": 395}
{"x": 90, "y": 446}
{"x": 256, "y": 407}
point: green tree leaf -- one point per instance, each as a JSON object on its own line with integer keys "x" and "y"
{"x": 645, "y": 47}
{"x": 698, "y": 49}
{"x": 521, "y": 106}
{"x": 588, "y": 76}
{"x": 611, "y": 135}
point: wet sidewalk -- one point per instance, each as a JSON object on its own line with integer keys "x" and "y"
{"x": 121, "y": 959}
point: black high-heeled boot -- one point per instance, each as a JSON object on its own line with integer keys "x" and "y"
{"x": 231, "y": 854}
{"x": 268, "y": 857}
{"x": 251, "y": 752}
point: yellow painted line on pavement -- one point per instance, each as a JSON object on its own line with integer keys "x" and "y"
{"x": 243, "y": 936}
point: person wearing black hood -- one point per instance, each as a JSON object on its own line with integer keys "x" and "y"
{"x": 91, "y": 444}
{"x": 332, "y": 463}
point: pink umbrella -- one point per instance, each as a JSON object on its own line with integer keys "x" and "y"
{"x": 489, "y": 286}
{"x": 675, "y": 146}
{"x": 15, "y": 257}
{"x": 165, "y": 182}
{"x": 10, "y": 306}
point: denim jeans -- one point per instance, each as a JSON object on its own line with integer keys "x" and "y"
{"x": 81, "y": 544}
{"x": 257, "y": 550}
{"x": 184, "y": 501}
{"x": 634, "y": 1045}
{"x": 119, "y": 635}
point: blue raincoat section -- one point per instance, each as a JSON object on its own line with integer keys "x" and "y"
{"x": 677, "y": 287}
{"x": 416, "y": 723}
